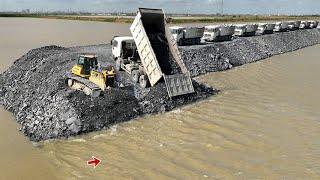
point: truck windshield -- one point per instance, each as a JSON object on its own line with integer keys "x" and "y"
{"x": 129, "y": 45}
{"x": 174, "y": 31}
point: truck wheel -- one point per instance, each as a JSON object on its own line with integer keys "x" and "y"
{"x": 144, "y": 81}
{"x": 118, "y": 65}
{"x": 135, "y": 75}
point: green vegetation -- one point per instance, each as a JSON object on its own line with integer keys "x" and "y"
{"x": 172, "y": 19}
{"x": 94, "y": 18}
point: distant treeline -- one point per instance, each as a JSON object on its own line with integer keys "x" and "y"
{"x": 128, "y": 18}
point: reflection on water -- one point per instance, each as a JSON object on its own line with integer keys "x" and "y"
{"x": 263, "y": 125}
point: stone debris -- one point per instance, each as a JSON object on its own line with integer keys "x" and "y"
{"x": 35, "y": 91}
{"x": 34, "y": 87}
{"x": 222, "y": 56}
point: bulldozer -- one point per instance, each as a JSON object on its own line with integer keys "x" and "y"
{"x": 89, "y": 77}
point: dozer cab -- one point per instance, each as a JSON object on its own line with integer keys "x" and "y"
{"x": 89, "y": 77}
{"x": 127, "y": 58}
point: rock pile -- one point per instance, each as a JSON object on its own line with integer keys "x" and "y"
{"x": 222, "y": 56}
{"x": 34, "y": 89}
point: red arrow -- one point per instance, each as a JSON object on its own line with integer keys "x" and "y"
{"x": 94, "y": 162}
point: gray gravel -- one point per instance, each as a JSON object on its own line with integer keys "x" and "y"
{"x": 214, "y": 57}
{"x": 34, "y": 88}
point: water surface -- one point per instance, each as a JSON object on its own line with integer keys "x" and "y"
{"x": 265, "y": 123}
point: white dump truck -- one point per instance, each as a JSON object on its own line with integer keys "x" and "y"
{"x": 294, "y": 25}
{"x": 187, "y": 35}
{"x": 282, "y": 26}
{"x": 305, "y": 24}
{"x": 218, "y": 33}
{"x": 265, "y": 28}
{"x": 158, "y": 51}
{"x": 314, "y": 24}
{"x": 246, "y": 29}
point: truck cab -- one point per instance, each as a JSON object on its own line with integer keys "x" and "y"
{"x": 123, "y": 47}
{"x": 177, "y": 33}
{"x": 210, "y": 33}
{"x": 187, "y": 35}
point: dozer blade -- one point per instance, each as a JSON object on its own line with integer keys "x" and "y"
{"x": 178, "y": 84}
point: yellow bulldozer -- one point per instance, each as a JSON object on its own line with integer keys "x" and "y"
{"x": 89, "y": 77}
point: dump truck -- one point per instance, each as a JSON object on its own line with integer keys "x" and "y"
{"x": 187, "y": 35}
{"x": 305, "y": 24}
{"x": 126, "y": 56}
{"x": 294, "y": 25}
{"x": 246, "y": 30}
{"x": 240, "y": 30}
{"x": 89, "y": 77}
{"x": 159, "y": 53}
{"x": 218, "y": 33}
{"x": 314, "y": 24}
{"x": 265, "y": 28}
{"x": 282, "y": 26}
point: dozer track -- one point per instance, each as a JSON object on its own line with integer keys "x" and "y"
{"x": 84, "y": 85}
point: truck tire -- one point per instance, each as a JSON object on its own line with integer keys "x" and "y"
{"x": 118, "y": 64}
{"x": 135, "y": 75}
{"x": 144, "y": 81}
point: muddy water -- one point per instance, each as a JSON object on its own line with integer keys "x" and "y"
{"x": 19, "y": 35}
{"x": 19, "y": 158}
{"x": 265, "y": 124}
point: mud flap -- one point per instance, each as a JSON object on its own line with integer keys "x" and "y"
{"x": 178, "y": 84}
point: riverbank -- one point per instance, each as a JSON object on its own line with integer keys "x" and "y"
{"x": 34, "y": 89}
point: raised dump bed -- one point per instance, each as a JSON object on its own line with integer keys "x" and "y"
{"x": 246, "y": 30}
{"x": 218, "y": 33}
{"x": 159, "y": 52}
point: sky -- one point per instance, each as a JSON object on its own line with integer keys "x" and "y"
{"x": 170, "y": 6}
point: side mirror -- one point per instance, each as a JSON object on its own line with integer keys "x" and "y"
{"x": 111, "y": 42}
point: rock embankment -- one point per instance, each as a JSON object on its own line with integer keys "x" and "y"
{"x": 225, "y": 55}
{"x": 34, "y": 88}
